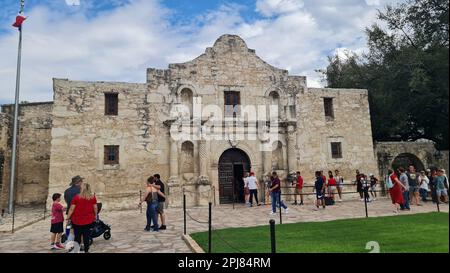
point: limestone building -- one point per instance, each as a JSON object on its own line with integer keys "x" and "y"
{"x": 117, "y": 134}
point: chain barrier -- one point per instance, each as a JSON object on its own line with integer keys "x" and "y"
{"x": 224, "y": 241}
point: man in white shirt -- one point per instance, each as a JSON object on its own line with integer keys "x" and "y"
{"x": 252, "y": 183}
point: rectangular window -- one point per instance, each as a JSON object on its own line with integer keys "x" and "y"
{"x": 111, "y": 104}
{"x": 111, "y": 155}
{"x": 232, "y": 99}
{"x": 328, "y": 107}
{"x": 336, "y": 150}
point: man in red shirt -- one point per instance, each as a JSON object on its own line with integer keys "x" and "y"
{"x": 298, "y": 189}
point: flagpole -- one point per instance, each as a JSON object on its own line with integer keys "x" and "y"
{"x": 15, "y": 125}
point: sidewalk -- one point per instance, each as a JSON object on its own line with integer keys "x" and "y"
{"x": 128, "y": 235}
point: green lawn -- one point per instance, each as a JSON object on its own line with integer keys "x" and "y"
{"x": 426, "y": 232}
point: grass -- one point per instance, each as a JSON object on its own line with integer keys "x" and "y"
{"x": 415, "y": 233}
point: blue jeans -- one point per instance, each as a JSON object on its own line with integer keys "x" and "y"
{"x": 276, "y": 200}
{"x": 423, "y": 194}
{"x": 152, "y": 215}
{"x": 405, "y": 200}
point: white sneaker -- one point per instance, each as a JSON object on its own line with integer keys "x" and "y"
{"x": 272, "y": 213}
{"x": 362, "y": 199}
{"x": 340, "y": 200}
{"x": 286, "y": 210}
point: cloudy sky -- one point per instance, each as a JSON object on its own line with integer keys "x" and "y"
{"x": 117, "y": 40}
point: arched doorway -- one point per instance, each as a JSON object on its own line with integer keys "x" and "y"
{"x": 406, "y": 159}
{"x": 232, "y": 165}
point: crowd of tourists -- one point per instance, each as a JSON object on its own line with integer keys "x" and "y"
{"x": 410, "y": 187}
{"x": 405, "y": 187}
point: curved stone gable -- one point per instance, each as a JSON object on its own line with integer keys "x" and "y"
{"x": 228, "y": 63}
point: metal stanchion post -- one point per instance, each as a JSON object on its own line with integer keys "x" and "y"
{"x": 279, "y": 207}
{"x": 272, "y": 236}
{"x": 366, "y": 195}
{"x": 209, "y": 227}
{"x": 13, "y": 218}
{"x": 184, "y": 211}
{"x": 140, "y": 198}
{"x": 214, "y": 195}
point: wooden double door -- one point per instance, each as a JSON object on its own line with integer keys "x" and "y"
{"x": 233, "y": 164}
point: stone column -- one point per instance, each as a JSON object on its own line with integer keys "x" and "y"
{"x": 173, "y": 160}
{"x": 203, "y": 160}
{"x": 291, "y": 148}
{"x": 267, "y": 161}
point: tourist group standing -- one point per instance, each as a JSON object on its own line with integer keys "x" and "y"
{"x": 81, "y": 213}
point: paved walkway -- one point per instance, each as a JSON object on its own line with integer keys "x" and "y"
{"x": 128, "y": 235}
{"x": 23, "y": 216}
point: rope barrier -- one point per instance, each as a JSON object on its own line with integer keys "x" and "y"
{"x": 223, "y": 240}
{"x": 198, "y": 221}
{"x": 198, "y": 192}
{"x": 336, "y": 193}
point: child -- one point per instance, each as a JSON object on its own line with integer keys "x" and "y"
{"x": 57, "y": 221}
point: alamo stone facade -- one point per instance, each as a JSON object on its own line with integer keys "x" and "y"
{"x": 117, "y": 134}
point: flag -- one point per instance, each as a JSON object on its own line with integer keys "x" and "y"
{"x": 19, "y": 20}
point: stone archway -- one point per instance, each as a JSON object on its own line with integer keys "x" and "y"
{"x": 406, "y": 159}
{"x": 232, "y": 165}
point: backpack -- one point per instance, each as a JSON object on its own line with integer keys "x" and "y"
{"x": 389, "y": 183}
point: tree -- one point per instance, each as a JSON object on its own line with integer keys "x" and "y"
{"x": 405, "y": 71}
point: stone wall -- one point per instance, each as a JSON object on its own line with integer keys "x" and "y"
{"x": 33, "y": 153}
{"x": 81, "y": 130}
{"x": 425, "y": 151}
{"x": 4, "y": 153}
{"x": 351, "y": 126}
{"x": 141, "y": 129}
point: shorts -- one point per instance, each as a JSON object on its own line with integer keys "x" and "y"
{"x": 160, "y": 208}
{"x": 414, "y": 189}
{"x": 298, "y": 191}
{"x": 442, "y": 192}
{"x": 319, "y": 195}
{"x": 373, "y": 188}
{"x": 246, "y": 191}
{"x": 333, "y": 188}
{"x": 340, "y": 186}
{"x": 57, "y": 228}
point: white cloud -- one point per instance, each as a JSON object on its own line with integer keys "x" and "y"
{"x": 119, "y": 44}
{"x": 373, "y": 2}
{"x": 275, "y": 7}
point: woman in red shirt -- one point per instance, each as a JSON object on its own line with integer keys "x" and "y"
{"x": 331, "y": 185}
{"x": 82, "y": 213}
{"x": 396, "y": 191}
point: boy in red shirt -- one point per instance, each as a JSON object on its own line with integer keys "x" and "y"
{"x": 299, "y": 189}
{"x": 57, "y": 222}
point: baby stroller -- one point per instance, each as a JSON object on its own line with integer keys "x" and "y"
{"x": 98, "y": 228}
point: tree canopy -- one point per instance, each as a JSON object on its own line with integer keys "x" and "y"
{"x": 405, "y": 71}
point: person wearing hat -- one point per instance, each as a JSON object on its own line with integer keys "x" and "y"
{"x": 72, "y": 191}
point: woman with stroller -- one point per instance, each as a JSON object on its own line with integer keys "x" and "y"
{"x": 151, "y": 197}
{"x": 82, "y": 214}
